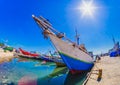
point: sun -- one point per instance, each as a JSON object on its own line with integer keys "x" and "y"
{"x": 87, "y": 8}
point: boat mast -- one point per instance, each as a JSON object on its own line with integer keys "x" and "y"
{"x": 113, "y": 39}
{"x": 48, "y": 29}
{"x": 77, "y": 37}
{"x": 45, "y": 25}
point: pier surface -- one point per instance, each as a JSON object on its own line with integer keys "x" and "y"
{"x": 110, "y": 72}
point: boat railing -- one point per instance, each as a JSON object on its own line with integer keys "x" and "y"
{"x": 48, "y": 29}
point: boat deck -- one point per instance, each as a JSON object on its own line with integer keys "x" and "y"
{"x": 110, "y": 72}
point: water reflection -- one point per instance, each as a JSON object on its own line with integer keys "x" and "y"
{"x": 39, "y": 62}
{"x": 58, "y": 71}
{"x": 75, "y": 79}
{"x": 56, "y": 77}
{"x": 28, "y": 80}
{"x": 21, "y": 71}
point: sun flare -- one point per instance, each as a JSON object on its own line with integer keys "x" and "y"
{"x": 87, "y": 8}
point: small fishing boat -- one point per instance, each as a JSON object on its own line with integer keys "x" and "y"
{"x": 59, "y": 62}
{"x": 115, "y": 51}
{"x": 27, "y": 54}
{"x": 76, "y": 58}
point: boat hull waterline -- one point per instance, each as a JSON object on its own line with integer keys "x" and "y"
{"x": 75, "y": 65}
{"x": 76, "y": 60}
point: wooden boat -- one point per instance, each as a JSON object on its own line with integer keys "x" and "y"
{"x": 59, "y": 62}
{"x": 75, "y": 57}
{"x": 28, "y": 56}
{"x": 28, "y": 53}
{"x": 115, "y": 51}
{"x": 25, "y": 54}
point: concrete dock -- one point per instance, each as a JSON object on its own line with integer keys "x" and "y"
{"x": 110, "y": 72}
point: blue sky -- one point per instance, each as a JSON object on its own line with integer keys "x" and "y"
{"x": 18, "y": 29}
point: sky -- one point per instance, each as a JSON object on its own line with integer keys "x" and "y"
{"x": 18, "y": 29}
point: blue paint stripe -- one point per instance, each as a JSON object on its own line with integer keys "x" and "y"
{"x": 75, "y": 64}
{"x": 74, "y": 58}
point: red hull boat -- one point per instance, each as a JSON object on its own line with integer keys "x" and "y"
{"x": 28, "y": 53}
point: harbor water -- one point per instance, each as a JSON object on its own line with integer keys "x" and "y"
{"x": 22, "y": 71}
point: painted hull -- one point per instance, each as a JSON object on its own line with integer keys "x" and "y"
{"x": 75, "y": 65}
{"x": 115, "y": 53}
{"x": 59, "y": 63}
{"x": 28, "y": 53}
{"x": 30, "y": 57}
{"x": 46, "y": 59}
{"x": 74, "y": 58}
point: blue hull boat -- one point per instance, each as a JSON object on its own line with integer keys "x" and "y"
{"x": 75, "y": 65}
{"x": 76, "y": 58}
